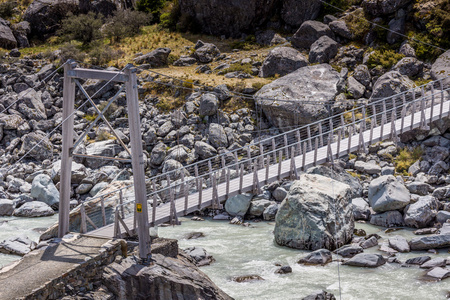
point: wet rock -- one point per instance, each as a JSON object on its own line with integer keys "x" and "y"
{"x": 387, "y": 219}
{"x": 238, "y": 205}
{"x": 424, "y": 231}
{"x": 44, "y": 190}
{"x": 399, "y": 243}
{"x": 369, "y": 243}
{"x": 284, "y": 270}
{"x": 438, "y": 273}
{"x": 282, "y": 61}
{"x": 323, "y": 50}
{"x": 366, "y": 260}
{"x": 349, "y": 250}
{"x": 6, "y": 207}
{"x": 318, "y": 257}
{"x": 247, "y": 278}
{"x": 320, "y": 295}
{"x": 194, "y": 235}
{"x": 157, "y": 58}
{"x": 435, "y": 262}
{"x": 418, "y": 260}
{"x": 422, "y": 213}
{"x": 20, "y": 245}
{"x": 430, "y": 242}
{"x": 34, "y": 209}
{"x": 386, "y": 194}
{"x": 201, "y": 257}
{"x": 303, "y": 219}
{"x": 309, "y": 32}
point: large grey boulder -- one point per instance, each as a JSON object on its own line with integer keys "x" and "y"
{"x": 206, "y": 52}
{"x": 174, "y": 169}
{"x": 318, "y": 257}
{"x": 315, "y": 216}
{"x": 31, "y": 105}
{"x": 37, "y": 145}
{"x": 438, "y": 273}
{"x": 208, "y": 104}
{"x": 158, "y": 154}
{"x": 6, "y": 207}
{"x": 270, "y": 212}
{"x": 7, "y": 39}
{"x": 389, "y": 84}
{"x": 308, "y": 33}
{"x": 387, "y": 193}
{"x": 349, "y": 250}
{"x": 399, "y": 243}
{"x": 19, "y": 245}
{"x": 361, "y": 209}
{"x": 44, "y": 190}
{"x": 311, "y": 83}
{"x": 339, "y": 27}
{"x": 422, "y": 213}
{"x": 367, "y": 260}
{"x": 157, "y": 58}
{"x": 442, "y": 216}
{"x": 228, "y": 18}
{"x": 383, "y": 7}
{"x": 34, "y": 209}
{"x": 355, "y": 88}
{"x": 369, "y": 167}
{"x": 217, "y": 136}
{"x": 323, "y": 50}
{"x": 204, "y": 150}
{"x": 79, "y": 172}
{"x": 430, "y": 242}
{"x": 258, "y": 207}
{"x": 362, "y": 74}
{"x": 409, "y": 66}
{"x": 282, "y": 61}
{"x": 238, "y": 205}
{"x": 21, "y": 31}
{"x": 108, "y": 148}
{"x": 45, "y": 16}
{"x": 441, "y": 68}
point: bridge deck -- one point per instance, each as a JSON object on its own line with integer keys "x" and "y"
{"x": 163, "y": 211}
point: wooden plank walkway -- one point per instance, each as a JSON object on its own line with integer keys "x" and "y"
{"x": 275, "y": 171}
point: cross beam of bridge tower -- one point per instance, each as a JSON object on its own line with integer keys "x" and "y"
{"x": 128, "y": 77}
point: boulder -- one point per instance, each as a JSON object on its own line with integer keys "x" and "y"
{"x": 20, "y": 245}
{"x": 320, "y": 295}
{"x": 308, "y": 33}
{"x": 217, "y": 136}
{"x": 7, "y": 39}
{"x": 361, "y": 209}
{"x": 257, "y": 207}
{"x": 97, "y": 188}
{"x": 441, "y": 68}
{"x": 45, "y": 16}
{"x": 399, "y": 244}
{"x": 438, "y": 273}
{"x": 206, "y": 53}
{"x": 349, "y": 250}
{"x": 44, "y": 190}
{"x": 362, "y": 75}
{"x": 295, "y": 13}
{"x": 209, "y": 104}
{"x": 270, "y": 212}
{"x": 79, "y": 172}
{"x": 284, "y": 270}
{"x": 37, "y": 145}
{"x": 34, "y": 209}
{"x": 409, "y": 66}
{"x": 442, "y": 216}
{"x": 158, "y": 154}
{"x": 238, "y": 205}
{"x": 367, "y": 260}
{"x": 282, "y": 61}
{"x": 355, "y": 88}
{"x": 383, "y": 7}
{"x": 204, "y": 150}
{"x": 279, "y": 193}
{"x": 157, "y": 58}
{"x": 370, "y": 167}
{"x": 318, "y": 257}
{"x": 269, "y": 38}
{"x": 422, "y": 213}
{"x": 389, "y": 84}
{"x": 339, "y": 27}
{"x": 165, "y": 129}
{"x": 433, "y": 263}
{"x": 6, "y": 207}
{"x": 313, "y": 216}
{"x": 391, "y": 218}
{"x": 21, "y": 31}
{"x": 323, "y": 50}
{"x": 174, "y": 169}
{"x": 396, "y": 25}
{"x": 430, "y": 242}
{"x": 311, "y": 83}
{"x": 201, "y": 257}
{"x": 32, "y": 106}
{"x": 419, "y": 188}
{"x": 387, "y": 193}
{"x": 185, "y": 61}
{"x": 369, "y": 243}
{"x": 229, "y": 18}
{"x": 168, "y": 277}
{"x": 407, "y": 50}
{"x": 418, "y": 260}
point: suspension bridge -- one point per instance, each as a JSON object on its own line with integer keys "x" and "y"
{"x": 208, "y": 183}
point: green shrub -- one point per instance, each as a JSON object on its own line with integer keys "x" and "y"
{"x": 83, "y": 28}
{"x": 103, "y": 54}
{"x": 151, "y": 7}
{"x": 357, "y": 23}
{"x": 258, "y": 85}
{"x": 125, "y": 23}
{"x": 7, "y": 9}
{"x": 406, "y": 158}
{"x": 70, "y": 51}
{"x": 170, "y": 15}
{"x": 384, "y": 58}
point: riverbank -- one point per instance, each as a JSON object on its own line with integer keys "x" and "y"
{"x": 240, "y": 250}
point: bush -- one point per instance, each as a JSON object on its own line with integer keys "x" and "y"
{"x": 170, "y": 15}
{"x": 125, "y": 23}
{"x": 384, "y": 58}
{"x": 103, "y": 54}
{"x": 83, "y": 28}
{"x": 357, "y": 23}
{"x": 151, "y": 7}
{"x": 406, "y": 158}
{"x": 70, "y": 51}
{"x": 7, "y": 9}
